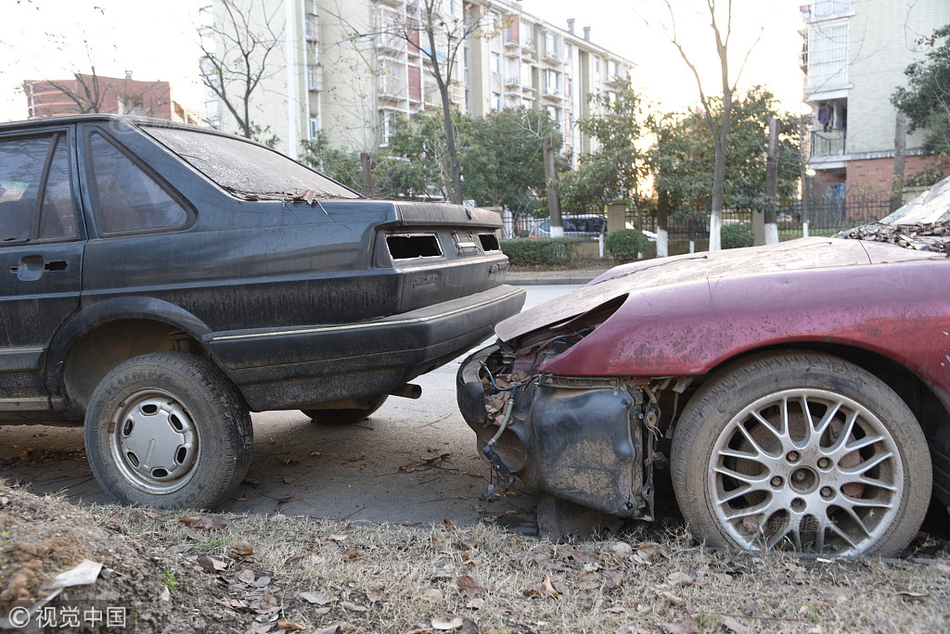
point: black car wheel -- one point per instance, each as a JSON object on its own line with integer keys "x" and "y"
{"x": 362, "y": 409}
{"x": 801, "y": 452}
{"x": 168, "y": 430}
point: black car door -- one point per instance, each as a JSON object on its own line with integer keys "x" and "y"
{"x": 41, "y": 246}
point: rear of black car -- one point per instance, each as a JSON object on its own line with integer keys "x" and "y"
{"x": 204, "y": 276}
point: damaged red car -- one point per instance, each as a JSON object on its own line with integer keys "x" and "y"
{"x": 797, "y": 394}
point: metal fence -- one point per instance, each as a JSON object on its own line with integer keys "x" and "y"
{"x": 825, "y": 216}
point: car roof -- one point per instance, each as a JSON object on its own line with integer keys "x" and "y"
{"x": 52, "y": 122}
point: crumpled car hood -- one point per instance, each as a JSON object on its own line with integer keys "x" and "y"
{"x": 931, "y": 206}
{"x": 640, "y": 277}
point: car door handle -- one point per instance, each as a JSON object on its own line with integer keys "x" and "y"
{"x": 32, "y": 267}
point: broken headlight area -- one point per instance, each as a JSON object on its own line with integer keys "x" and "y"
{"x": 590, "y": 441}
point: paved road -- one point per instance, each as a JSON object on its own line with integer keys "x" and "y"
{"x": 413, "y": 462}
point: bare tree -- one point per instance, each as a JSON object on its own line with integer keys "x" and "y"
{"x": 440, "y": 36}
{"x": 719, "y": 130}
{"x": 235, "y": 51}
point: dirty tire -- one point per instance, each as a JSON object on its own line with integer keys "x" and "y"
{"x": 801, "y": 452}
{"x": 168, "y": 430}
{"x": 347, "y": 416}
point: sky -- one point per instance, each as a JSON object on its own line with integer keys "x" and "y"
{"x": 767, "y": 31}
{"x": 45, "y": 39}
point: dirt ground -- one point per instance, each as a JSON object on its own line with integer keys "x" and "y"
{"x": 176, "y": 573}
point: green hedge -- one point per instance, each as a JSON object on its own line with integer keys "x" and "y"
{"x": 736, "y": 236}
{"x": 540, "y": 251}
{"x": 626, "y": 245}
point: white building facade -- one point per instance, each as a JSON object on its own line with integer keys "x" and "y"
{"x": 351, "y": 68}
{"x": 855, "y": 55}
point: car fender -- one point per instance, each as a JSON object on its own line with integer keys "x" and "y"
{"x": 112, "y": 310}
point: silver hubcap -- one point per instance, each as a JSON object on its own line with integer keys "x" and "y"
{"x": 806, "y": 470}
{"x": 154, "y": 442}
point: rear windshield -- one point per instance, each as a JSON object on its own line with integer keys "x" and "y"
{"x": 245, "y": 169}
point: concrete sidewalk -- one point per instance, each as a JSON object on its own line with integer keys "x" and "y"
{"x": 572, "y": 276}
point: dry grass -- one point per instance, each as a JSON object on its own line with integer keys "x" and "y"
{"x": 272, "y": 574}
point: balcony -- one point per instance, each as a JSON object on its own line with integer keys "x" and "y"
{"x": 827, "y": 143}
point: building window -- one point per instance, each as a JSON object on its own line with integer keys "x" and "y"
{"x": 827, "y": 8}
{"x": 828, "y": 56}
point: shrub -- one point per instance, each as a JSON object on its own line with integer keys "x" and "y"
{"x": 540, "y": 251}
{"x": 736, "y": 236}
{"x": 626, "y": 245}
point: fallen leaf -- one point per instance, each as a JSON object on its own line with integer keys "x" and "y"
{"x": 469, "y": 626}
{"x": 290, "y": 625}
{"x": 734, "y": 626}
{"x": 334, "y": 628}
{"x": 475, "y": 604}
{"x": 613, "y": 578}
{"x": 432, "y": 595}
{"x": 352, "y": 607}
{"x": 443, "y": 572}
{"x": 210, "y": 564}
{"x": 621, "y": 550}
{"x": 649, "y": 553}
{"x": 469, "y": 585}
{"x": 197, "y": 523}
{"x": 320, "y": 597}
{"x": 241, "y": 548}
{"x": 374, "y": 595}
{"x": 681, "y": 579}
{"x": 351, "y": 554}
{"x": 262, "y": 582}
{"x": 673, "y": 599}
{"x": 247, "y": 576}
{"x": 447, "y": 624}
{"x": 588, "y": 580}
{"x": 837, "y": 595}
{"x": 584, "y": 558}
{"x": 338, "y": 538}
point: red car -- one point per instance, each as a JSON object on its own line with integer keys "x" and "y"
{"x": 799, "y": 394}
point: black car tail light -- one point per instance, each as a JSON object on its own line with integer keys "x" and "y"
{"x": 408, "y": 247}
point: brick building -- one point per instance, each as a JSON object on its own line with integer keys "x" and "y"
{"x": 855, "y": 54}
{"x": 92, "y": 93}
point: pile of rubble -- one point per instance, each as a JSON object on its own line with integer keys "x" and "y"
{"x": 931, "y": 236}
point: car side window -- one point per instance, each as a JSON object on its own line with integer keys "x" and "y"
{"x": 36, "y": 199}
{"x": 127, "y": 198}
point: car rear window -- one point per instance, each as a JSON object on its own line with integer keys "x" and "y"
{"x": 245, "y": 169}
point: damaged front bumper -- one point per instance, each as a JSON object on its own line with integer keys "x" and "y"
{"x": 590, "y": 441}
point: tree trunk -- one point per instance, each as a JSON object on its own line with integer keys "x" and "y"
{"x": 550, "y": 174}
{"x": 900, "y": 143}
{"x": 771, "y": 183}
{"x": 662, "y": 224}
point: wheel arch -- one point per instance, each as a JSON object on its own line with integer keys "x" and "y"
{"x": 919, "y": 395}
{"x": 98, "y": 338}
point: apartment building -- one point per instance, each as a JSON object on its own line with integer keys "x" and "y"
{"x": 115, "y": 95}
{"x": 854, "y": 56}
{"x": 352, "y": 68}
